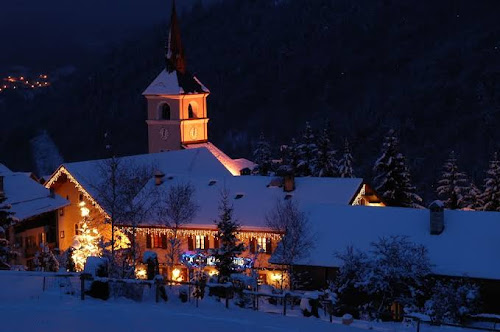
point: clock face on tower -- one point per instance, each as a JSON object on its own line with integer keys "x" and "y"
{"x": 164, "y": 133}
{"x": 193, "y": 132}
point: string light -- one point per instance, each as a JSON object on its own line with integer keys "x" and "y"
{"x": 63, "y": 171}
{"x": 242, "y": 235}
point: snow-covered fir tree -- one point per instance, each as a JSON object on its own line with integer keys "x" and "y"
{"x": 229, "y": 245}
{"x": 325, "y": 163}
{"x": 289, "y": 158}
{"x": 307, "y": 153}
{"x": 262, "y": 156}
{"x": 5, "y": 222}
{"x": 345, "y": 168}
{"x": 472, "y": 197}
{"x": 46, "y": 155}
{"x": 490, "y": 198}
{"x": 392, "y": 175}
{"x": 453, "y": 185}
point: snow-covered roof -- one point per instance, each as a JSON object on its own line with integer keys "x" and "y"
{"x": 192, "y": 162}
{"x": 27, "y": 197}
{"x": 468, "y": 246}
{"x": 175, "y": 83}
{"x": 233, "y": 165}
{"x": 254, "y": 196}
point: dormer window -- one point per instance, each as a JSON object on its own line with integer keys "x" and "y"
{"x": 212, "y": 182}
{"x": 165, "y": 112}
{"x": 238, "y": 196}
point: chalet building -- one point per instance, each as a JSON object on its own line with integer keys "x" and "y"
{"x": 35, "y": 211}
{"x": 252, "y": 197}
{"x": 460, "y": 244}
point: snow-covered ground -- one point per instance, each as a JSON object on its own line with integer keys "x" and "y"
{"x": 25, "y": 307}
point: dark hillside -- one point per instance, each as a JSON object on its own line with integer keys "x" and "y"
{"x": 429, "y": 69}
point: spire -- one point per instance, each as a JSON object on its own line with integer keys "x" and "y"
{"x": 174, "y": 56}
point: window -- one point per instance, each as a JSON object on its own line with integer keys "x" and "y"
{"x": 77, "y": 230}
{"x": 80, "y": 197}
{"x": 61, "y": 212}
{"x": 165, "y": 112}
{"x": 156, "y": 241}
{"x": 191, "y": 111}
{"x": 261, "y": 242}
{"x": 200, "y": 242}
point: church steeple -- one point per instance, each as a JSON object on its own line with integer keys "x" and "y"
{"x": 177, "y": 100}
{"x": 174, "y": 55}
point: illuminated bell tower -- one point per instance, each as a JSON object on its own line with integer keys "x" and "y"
{"x": 177, "y": 101}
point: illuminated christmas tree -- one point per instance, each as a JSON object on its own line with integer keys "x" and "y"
{"x": 86, "y": 242}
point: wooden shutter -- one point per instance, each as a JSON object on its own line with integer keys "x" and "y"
{"x": 216, "y": 242}
{"x": 148, "y": 241}
{"x": 164, "y": 241}
{"x": 269, "y": 245}
{"x": 190, "y": 243}
{"x": 252, "y": 245}
{"x": 207, "y": 244}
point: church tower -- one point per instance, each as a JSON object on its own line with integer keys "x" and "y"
{"x": 177, "y": 101}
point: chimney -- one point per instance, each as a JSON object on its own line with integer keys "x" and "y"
{"x": 1, "y": 184}
{"x": 289, "y": 182}
{"x": 436, "y": 217}
{"x": 159, "y": 177}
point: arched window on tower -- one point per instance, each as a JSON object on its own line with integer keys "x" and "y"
{"x": 165, "y": 112}
{"x": 191, "y": 113}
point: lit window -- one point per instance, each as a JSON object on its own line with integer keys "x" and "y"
{"x": 261, "y": 242}
{"x": 200, "y": 242}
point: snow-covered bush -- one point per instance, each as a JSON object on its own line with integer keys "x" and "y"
{"x": 394, "y": 270}
{"x": 347, "y": 287}
{"x": 452, "y": 301}
{"x": 309, "y": 304}
{"x": 45, "y": 260}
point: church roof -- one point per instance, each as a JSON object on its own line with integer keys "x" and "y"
{"x": 175, "y": 83}
{"x": 27, "y": 197}
{"x": 233, "y": 165}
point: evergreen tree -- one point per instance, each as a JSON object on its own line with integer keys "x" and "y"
{"x": 326, "y": 163}
{"x": 472, "y": 197}
{"x": 490, "y": 198}
{"x": 345, "y": 169}
{"x": 262, "y": 156}
{"x": 289, "y": 158}
{"x": 5, "y": 222}
{"x": 227, "y": 229}
{"x": 392, "y": 179}
{"x": 453, "y": 185}
{"x": 307, "y": 153}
